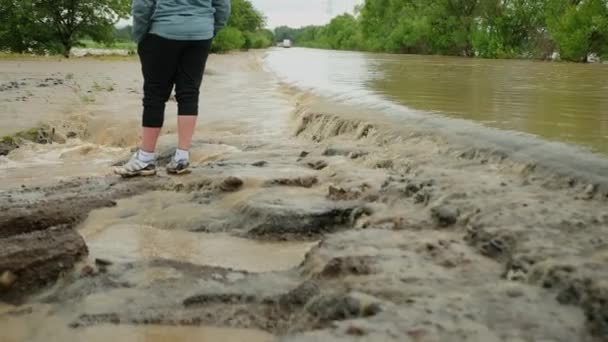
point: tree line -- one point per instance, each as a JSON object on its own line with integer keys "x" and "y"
{"x": 56, "y": 26}
{"x": 576, "y": 29}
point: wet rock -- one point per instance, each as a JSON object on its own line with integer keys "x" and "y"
{"x": 352, "y": 154}
{"x": 224, "y": 298}
{"x": 7, "y": 144}
{"x": 596, "y": 309}
{"x": 423, "y": 197}
{"x": 340, "y": 194}
{"x": 343, "y": 307}
{"x": 7, "y": 279}
{"x": 88, "y": 271}
{"x": 385, "y": 164}
{"x": 300, "y": 296}
{"x": 493, "y": 243}
{"x": 260, "y": 163}
{"x": 589, "y": 192}
{"x": 575, "y": 292}
{"x": 299, "y": 223}
{"x": 317, "y": 165}
{"x": 351, "y": 265}
{"x": 103, "y": 262}
{"x": 38, "y": 259}
{"x": 552, "y": 275}
{"x": 518, "y": 267}
{"x": 305, "y": 182}
{"x": 87, "y": 320}
{"x": 231, "y": 184}
{"x": 445, "y": 215}
{"x": 356, "y": 331}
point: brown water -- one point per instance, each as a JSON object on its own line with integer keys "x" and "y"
{"x": 130, "y": 243}
{"x": 558, "y": 101}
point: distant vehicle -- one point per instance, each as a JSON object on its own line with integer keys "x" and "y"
{"x": 286, "y": 43}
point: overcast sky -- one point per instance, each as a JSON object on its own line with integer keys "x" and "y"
{"x": 297, "y": 13}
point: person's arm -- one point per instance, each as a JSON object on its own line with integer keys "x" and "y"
{"x": 142, "y": 14}
{"x": 222, "y": 13}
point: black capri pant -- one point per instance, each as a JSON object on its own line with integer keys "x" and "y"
{"x": 167, "y": 63}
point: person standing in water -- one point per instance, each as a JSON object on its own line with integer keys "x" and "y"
{"x": 174, "y": 40}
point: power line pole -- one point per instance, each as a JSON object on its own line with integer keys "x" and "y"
{"x": 330, "y": 8}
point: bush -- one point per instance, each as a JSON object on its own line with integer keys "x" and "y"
{"x": 228, "y": 39}
{"x": 257, "y": 40}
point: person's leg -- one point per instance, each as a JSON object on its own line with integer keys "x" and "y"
{"x": 159, "y": 58}
{"x": 190, "y": 71}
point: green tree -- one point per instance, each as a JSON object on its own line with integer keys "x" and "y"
{"x": 245, "y": 30}
{"x": 245, "y": 17}
{"x": 57, "y": 25}
{"x": 578, "y": 27}
{"x": 19, "y": 30}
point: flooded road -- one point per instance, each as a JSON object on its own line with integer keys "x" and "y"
{"x": 559, "y": 101}
{"x": 301, "y": 220}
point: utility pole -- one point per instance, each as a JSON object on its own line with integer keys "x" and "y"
{"x": 330, "y": 8}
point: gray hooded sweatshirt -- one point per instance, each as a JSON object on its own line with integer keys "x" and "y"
{"x": 179, "y": 19}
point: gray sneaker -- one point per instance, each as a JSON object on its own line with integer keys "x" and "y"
{"x": 179, "y": 167}
{"x": 135, "y": 167}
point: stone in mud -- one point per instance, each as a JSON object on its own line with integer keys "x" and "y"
{"x": 88, "y": 271}
{"x": 353, "y": 154}
{"x": 293, "y": 223}
{"x": 7, "y": 145}
{"x": 223, "y": 298}
{"x": 422, "y": 197}
{"x": 340, "y": 194}
{"x": 596, "y": 309}
{"x": 231, "y": 184}
{"x": 318, "y": 165}
{"x": 38, "y": 259}
{"x": 350, "y": 265}
{"x": 589, "y": 192}
{"x": 260, "y": 163}
{"x": 518, "y": 267}
{"x": 103, "y": 262}
{"x": 356, "y": 331}
{"x": 305, "y": 182}
{"x": 7, "y": 279}
{"x": 445, "y": 215}
{"x": 385, "y": 164}
{"x": 299, "y": 297}
{"x": 343, "y": 307}
{"x": 87, "y": 320}
{"x": 493, "y": 243}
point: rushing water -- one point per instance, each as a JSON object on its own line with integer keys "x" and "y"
{"x": 558, "y": 101}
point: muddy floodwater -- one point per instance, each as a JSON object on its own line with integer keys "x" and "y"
{"x": 333, "y": 197}
{"x": 559, "y": 101}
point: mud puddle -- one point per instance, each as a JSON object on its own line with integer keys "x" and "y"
{"x": 132, "y": 243}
